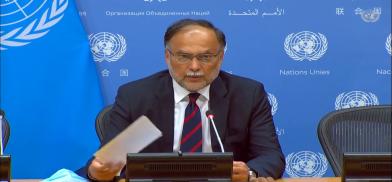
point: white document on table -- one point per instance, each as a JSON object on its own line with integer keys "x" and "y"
{"x": 133, "y": 139}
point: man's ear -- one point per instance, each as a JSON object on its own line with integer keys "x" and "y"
{"x": 167, "y": 56}
{"x": 221, "y": 56}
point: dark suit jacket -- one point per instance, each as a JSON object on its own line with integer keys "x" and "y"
{"x": 242, "y": 117}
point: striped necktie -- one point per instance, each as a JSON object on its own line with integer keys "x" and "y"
{"x": 191, "y": 140}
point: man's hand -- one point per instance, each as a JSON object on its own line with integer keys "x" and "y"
{"x": 103, "y": 172}
{"x": 240, "y": 172}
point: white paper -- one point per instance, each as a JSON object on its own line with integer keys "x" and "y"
{"x": 133, "y": 139}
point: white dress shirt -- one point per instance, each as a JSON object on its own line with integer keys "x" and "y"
{"x": 181, "y": 101}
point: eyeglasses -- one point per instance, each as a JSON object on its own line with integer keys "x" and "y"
{"x": 186, "y": 58}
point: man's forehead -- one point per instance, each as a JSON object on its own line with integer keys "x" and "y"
{"x": 194, "y": 35}
{"x": 194, "y": 30}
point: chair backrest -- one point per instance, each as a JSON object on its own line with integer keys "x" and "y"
{"x": 360, "y": 129}
{"x": 5, "y": 129}
{"x": 102, "y": 117}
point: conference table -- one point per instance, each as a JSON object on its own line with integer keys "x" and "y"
{"x": 334, "y": 179}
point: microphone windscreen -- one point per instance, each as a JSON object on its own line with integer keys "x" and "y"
{"x": 209, "y": 112}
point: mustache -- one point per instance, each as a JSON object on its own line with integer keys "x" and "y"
{"x": 194, "y": 74}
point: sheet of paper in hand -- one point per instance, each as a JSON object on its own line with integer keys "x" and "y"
{"x": 133, "y": 139}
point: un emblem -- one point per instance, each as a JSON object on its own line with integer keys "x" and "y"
{"x": 107, "y": 46}
{"x": 369, "y": 15}
{"x": 355, "y": 99}
{"x": 306, "y": 164}
{"x": 24, "y": 21}
{"x": 273, "y": 102}
{"x": 305, "y": 45}
{"x": 388, "y": 44}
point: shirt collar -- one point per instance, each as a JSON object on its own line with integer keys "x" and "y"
{"x": 180, "y": 92}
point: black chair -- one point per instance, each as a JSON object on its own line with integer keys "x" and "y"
{"x": 360, "y": 129}
{"x": 6, "y": 129}
{"x": 102, "y": 117}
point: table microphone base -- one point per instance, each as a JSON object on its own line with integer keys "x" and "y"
{"x": 5, "y": 168}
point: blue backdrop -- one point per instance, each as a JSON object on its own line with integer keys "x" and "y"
{"x": 49, "y": 87}
{"x": 312, "y": 56}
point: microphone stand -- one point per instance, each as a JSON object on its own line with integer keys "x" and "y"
{"x": 210, "y": 117}
{"x": 5, "y": 160}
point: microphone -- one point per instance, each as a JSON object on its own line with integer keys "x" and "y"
{"x": 210, "y": 117}
{"x": 1, "y": 131}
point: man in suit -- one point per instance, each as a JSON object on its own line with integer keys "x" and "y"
{"x": 193, "y": 84}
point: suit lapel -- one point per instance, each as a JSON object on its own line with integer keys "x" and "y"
{"x": 219, "y": 104}
{"x": 165, "y": 99}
